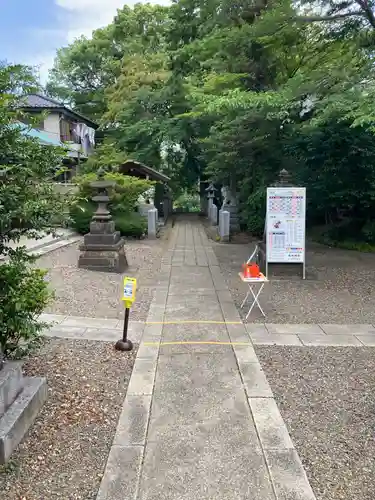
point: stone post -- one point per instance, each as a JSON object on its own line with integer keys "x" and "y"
{"x": 224, "y": 225}
{"x": 152, "y": 223}
{"x": 214, "y": 215}
{"x": 230, "y": 205}
{"x": 103, "y": 247}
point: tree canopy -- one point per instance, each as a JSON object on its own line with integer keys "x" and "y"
{"x": 237, "y": 91}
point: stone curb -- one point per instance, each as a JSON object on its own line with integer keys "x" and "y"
{"x": 285, "y": 468}
{"x": 124, "y": 466}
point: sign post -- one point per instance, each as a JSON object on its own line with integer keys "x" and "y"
{"x": 286, "y": 226}
{"x": 130, "y": 286}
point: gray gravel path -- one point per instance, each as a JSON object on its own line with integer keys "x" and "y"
{"x": 64, "y": 455}
{"x": 339, "y": 289}
{"x": 326, "y": 397}
{"x": 80, "y": 292}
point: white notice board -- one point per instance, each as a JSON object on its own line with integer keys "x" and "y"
{"x": 286, "y": 225}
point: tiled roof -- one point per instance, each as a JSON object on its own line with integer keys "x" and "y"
{"x": 40, "y": 101}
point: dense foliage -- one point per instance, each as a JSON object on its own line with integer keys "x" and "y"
{"x": 123, "y": 204}
{"x": 237, "y": 91}
{"x": 29, "y": 207}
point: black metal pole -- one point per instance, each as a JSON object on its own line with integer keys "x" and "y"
{"x": 124, "y": 344}
{"x": 126, "y": 324}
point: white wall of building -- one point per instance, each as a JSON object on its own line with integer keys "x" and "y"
{"x": 52, "y": 124}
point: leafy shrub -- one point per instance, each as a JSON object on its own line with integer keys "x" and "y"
{"x": 368, "y": 231}
{"x": 81, "y": 214}
{"x": 253, "y": 212}
{"x": 131, "y": 224}
{"x": 24, "y": 295}
{"x": 123, "y": 196}
{"x": 188, "y": 202}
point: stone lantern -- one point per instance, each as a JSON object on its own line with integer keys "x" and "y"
{"x": 210, "y": 190}
{"x": 103, "y": 247}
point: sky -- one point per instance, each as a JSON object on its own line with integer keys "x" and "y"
{"x": 32, "y": 30}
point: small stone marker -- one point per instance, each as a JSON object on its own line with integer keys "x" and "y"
{"x": 152, "y": 223}
{"x": 224, "y": 225}
{"x": 214, "y": 215}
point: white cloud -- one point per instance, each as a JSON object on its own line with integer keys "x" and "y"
{"x": 84, "y": 16}
{"x": 75, "y": 18}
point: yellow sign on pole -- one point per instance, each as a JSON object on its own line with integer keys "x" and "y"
{"x": 130, "y": 287}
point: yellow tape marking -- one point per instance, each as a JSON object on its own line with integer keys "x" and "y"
{"x": 195, "y": 343}
{"x": 193, "y": 322}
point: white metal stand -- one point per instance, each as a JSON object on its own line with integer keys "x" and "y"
{"x": 252, "y": 284}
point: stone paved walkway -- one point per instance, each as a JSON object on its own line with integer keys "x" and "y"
{"x": 199, "y": 420}
{"x": 307, "y": 335}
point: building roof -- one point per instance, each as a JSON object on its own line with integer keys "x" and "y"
{"x": 42, "y": 102}
{"x": 44, "y": 137}
{"x": 132, "y": 165}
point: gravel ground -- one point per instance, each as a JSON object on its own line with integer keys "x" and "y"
{"x": 64, "y": 455}
{"x": 80, "y": 292}
{"x": 339, "y": 287}
{"x": 326, "y": 396}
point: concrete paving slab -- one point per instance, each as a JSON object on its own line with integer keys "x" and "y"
{"x": 52, "y": 318}
{"x": 288, "y": 476}
{"x": 152, "y": 333}
{"x": 275, "y": 339}
{"x": 185, "y": 311}
{"x": 197, "y": 466}
{"x": 293, "y": 328}
{"x": 68, "y": 332}
{"x": 355, "y": 329}
{"x": 367, "y": 340}
{"x": 255, "y": 381}
{"x": 148, "y": 351}
{"x": 230, "y": 311}
{"x": 195, "y": 333}
{"x": 218, "y": 278}
{"x": 142, "y": 379}
{"x": 329, "y": 340}
{"x": 256, "y": 328}
{"x": 224, "y": 296}
{"x": 175, "y": 290}
{"x": 273, "y": 433}
{"x": 134, "y": 334}
{"x": 80, "y": 321}
{"x": 132, "y": 425}
{"x": 156, "y": 313}
{"x": 121, "y": 477}
{"x": 237, "y": 333}
{"x": 245, "y": 353}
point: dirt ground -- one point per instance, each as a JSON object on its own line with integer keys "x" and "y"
{"x": 65, "y": 452}
{"x": 339, "y": 287}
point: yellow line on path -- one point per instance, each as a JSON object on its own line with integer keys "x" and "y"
{"x": 195, "y": 343}
{"x": 193, "y": 322}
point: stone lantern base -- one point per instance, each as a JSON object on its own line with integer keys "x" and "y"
{"x": 103, "y": 249}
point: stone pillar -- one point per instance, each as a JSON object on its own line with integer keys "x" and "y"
{"x": 230, "y": 205}
{"x": 224, "y": 225}
{"x": 103, "y": 247}
{"x": 214, "y": 215}
{"x": 152, "y": 223}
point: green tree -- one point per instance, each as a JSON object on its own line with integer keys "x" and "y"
{"x": 28, "y": 208}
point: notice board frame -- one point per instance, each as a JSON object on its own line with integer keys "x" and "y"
{"x": 292, "y": 220}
